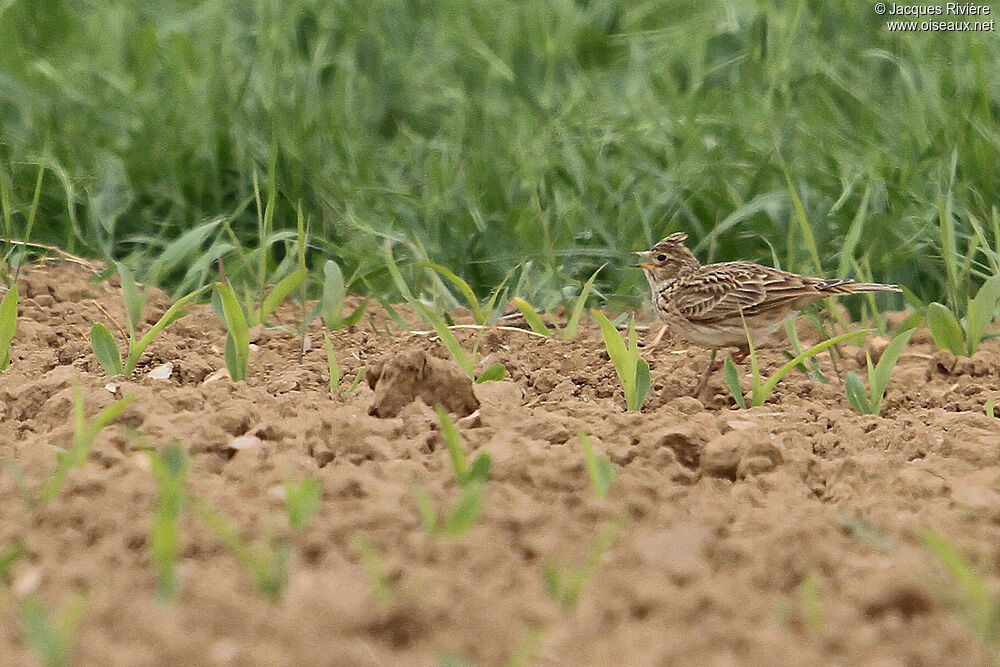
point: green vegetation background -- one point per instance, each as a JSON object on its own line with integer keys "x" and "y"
{"x": 545, "y": 137}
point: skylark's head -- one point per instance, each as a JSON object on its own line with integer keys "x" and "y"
{"x": 666, "y": 259}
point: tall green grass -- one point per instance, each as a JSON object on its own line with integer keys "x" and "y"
{"x": 481, "y": 135}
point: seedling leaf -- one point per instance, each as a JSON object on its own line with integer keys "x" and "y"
{"x": 466, "y": 511}
{"x": 574, "y": 319}
{"x": 280, "y": 292}
{"x": 8, "y": 324}
{"x": 494, "y": 373}
{"x": 945, "y": 329}
{"x": 733, "y": 382}
{"x": 303, "y": 500}
{"x": 106, "y": 349}
{"x": 599, "y": 467}
{"x": 531, "y": 316}
{"x": 856, "y": 394}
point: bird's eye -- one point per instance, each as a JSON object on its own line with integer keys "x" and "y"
{"x": 661, "y": 258}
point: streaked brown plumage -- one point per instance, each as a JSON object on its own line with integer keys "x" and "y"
{"x": 702, "y": 304}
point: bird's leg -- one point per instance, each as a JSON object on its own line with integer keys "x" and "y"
{"x": 713, "y": 366}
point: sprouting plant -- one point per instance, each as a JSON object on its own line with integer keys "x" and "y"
{"x": 10, "y": 556}
{"x": 632, "y": 370}
{"x": 761, "y": 388}
{"x": 302, "y": 501}
{"x": 812, "y": 603}
{"x": 465, "y": 362}
{"x": 536, "y": 323}
{"x": 333, "y": 297}
{"x": 8, "y": 324}
{"x": 465, "y": 474}
{"x": 811, "y": 366}
{"x": 599, "y": 467}
{"x": 334, "y": 367}
{"x": 103, "y": 343}
{"x": 870, "y": 403}
{"x": 170, "y": 472}
{"x": 375, "y": 572}
{"x": 268, "y": 565}
{"x": 482, "y": 314}
{"x": 990, "y": 408}
{"x": 963, "y": 337}
{"x": 238, "y": 336}
{"x": 463, "y": 515}
{"x": 259, "y": 314}
{"x": 51, "y": 638}
{"x": 471, "y": 479}
{"x": 972, "y": 599}
{"x": 84, "y": 434}
{"x": 566, "y": 584}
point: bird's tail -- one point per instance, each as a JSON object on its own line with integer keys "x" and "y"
{"x": 848, "y": 286}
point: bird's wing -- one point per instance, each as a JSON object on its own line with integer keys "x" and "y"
{"x": 722, "y": 291}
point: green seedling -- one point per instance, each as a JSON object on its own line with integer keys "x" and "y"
{"x": 963, "y": 337}
{"x": 10, "y": 556}
{"x": 281, "y": 291}
{"x": 811, "y": 366}
{"x": 103, "y": 343}
{"x": 632, "y": 370}
{"x": 535, "y": 322}
{"x": 812, "y": 603}
{"x": 971, "y": 597}
{"x": 375, "y": 572}
{"x": 303, "y": 500}
{"x": 8, "y": 324}
{"x": 50, "y": 638}
{"x": 599, "y": 467}
{"x": 84, "y": 434}
{"x": 566, "y": 585}
{"x": 238, "y": 337}
{"x": 334, "y": 367}
{"x": 333, "y": 297}
{"x": 761, "y": 389}
{"x": 870, "y": 403}
{"x": 465, "y": 474}
{"x": 465, "y": 362}
{"x": 170, "y": 472}
{"x": 269, "y": 566}
{"x": 463, "y": 515}
{"x": 990, "y": 408}
{"x": 482, "y": 314}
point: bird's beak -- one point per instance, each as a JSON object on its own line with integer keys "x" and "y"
{"x": 643, "y": 255}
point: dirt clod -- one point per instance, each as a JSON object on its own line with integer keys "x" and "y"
{"x": 399, "y": 379}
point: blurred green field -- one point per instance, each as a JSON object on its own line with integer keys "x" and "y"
{"x": 532, "y": 138}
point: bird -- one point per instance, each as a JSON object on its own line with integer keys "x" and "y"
{"x": 707, "y": 304}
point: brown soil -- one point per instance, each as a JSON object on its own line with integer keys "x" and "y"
{"x": 787, "y": 533}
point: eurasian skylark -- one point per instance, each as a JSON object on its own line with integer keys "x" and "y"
{"x": 702, "y": 304}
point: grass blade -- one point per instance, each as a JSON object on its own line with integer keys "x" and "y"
{"x": 8, "y": 324}
{"x": 331, "y": 362}
{"x": 878, "y": 378}
{"x": 981, "y": 312}
{"x": 280, "y": 292}
{"x": 173, "y": 314}
{"x": 477, "y": 312}
{"x": 333, "y": 296}
{"x": 238, "y": 351}
{"x": 532, "y": 317}
{"x": 761, "y": 393}
{"x": 574, "y": 319}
